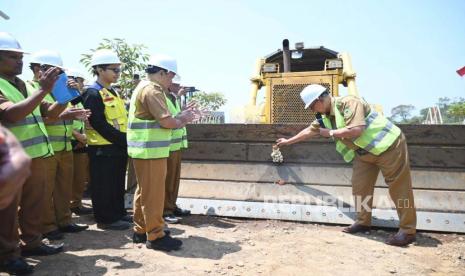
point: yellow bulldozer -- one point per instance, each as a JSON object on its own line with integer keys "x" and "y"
{"x": 283, "y": 75}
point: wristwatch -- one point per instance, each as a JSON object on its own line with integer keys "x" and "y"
{"x": 331, "y": 133}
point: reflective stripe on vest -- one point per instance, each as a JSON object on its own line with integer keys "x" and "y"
{"x": 144, "y": 125}
{"x": 30, "y": 131}
{"x": 59, "y": 132}
{"x": 115, "y": 115}
{"x": 26, "y": 121}
{"x": 146, "y": 138}
{"x": 379, "y": 133}
{"x": 176, "y": 139}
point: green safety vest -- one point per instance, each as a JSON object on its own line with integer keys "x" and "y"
{"x": 184, "y": 130}
{"x": 78, "y": 125}
{"x": 59, "y": 132}
{"x": 179, "y": 137}
{"x": 378, "y": 136}
{"x": 34, "y": 84}
{"x": 30, "y": 131}
{"x": 147, "y": 139}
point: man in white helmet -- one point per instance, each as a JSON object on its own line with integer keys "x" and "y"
{"x": 21, "y": 111}
{"x": 150, "y": 132}
{"x": 80, "y": 158}
{"x": 172, "y": 212}
{"x": 107, "y": 147}
{"x": 57, "y": 215}
{"x": 374, "y": 144}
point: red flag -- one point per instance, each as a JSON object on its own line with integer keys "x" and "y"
{"x": 461, "y": 71}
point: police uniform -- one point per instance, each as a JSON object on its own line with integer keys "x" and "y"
{"x": 381, "y": 147}
{"x": 33, "y": 136}
{"x": 107, "y": 151}
{"x": 59, "y": 172}
{"x": 178, "y": 142}
{"x": 149, "y": 147}
{"x": 80, "y": 165}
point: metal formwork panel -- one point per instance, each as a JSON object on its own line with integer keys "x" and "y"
{"x": 432, "y": 221}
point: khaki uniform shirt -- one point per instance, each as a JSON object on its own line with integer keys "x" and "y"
{"x": 151, "y": 103}
{"x": 21, "y": 86}
{"x": 354, "y": 110}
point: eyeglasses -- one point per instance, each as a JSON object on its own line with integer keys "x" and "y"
{"x": 115, "y": 70}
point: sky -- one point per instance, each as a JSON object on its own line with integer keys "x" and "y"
{"x": 404, "y": 52}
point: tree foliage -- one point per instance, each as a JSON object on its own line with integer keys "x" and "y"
{"x": 402, "y": 113}
{"x": 452, "y": 112}
{"x": 133, "y": 58}
{"x": 210, "y": 101}
{"x": 457, "y": 110}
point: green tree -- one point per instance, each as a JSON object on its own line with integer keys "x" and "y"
{"x": 133, "y": 58}
{"x": 457, "y": 111}
{"x": 402, "y": 113}
{"x": 451, "y": 110}
{"x": 210, "y": 101}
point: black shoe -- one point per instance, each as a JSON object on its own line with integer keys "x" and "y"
{"x": 54, "y": 235}
{"x": 73, "y": 228}
{"x": 356, "y": 228}
{"x": 167, "y": 243}
{"x": 81, "y": 210}
{"x": 127, "y": 218}
{"x": 181, "y": 212}
{"x": 117, "y": 225}
{"x": 43, "y": 250}
{"x": 401, "y": 239}
{"x": 17, "y": 266}
{"x": 142, "y": 238}
{"x": 171, "y": 219}
{"x": 139, "y": 238}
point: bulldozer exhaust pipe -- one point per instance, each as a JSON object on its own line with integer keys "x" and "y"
{"x": 286, "y": 56}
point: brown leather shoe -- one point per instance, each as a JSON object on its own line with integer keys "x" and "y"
{"x": 401, "y": 239}
{"x": 355, "y": 228}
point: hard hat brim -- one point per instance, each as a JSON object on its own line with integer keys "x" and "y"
{"x": 14, "y": 50}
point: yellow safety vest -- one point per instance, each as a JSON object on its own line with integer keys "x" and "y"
{"x": 115, "y": 114}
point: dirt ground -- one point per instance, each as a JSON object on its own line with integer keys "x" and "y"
{"x": 225, "y": 246}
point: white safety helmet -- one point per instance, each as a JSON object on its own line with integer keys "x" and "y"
{"x": 311, "y": 93}
{"x": 74, "y": 73}
{"x": 9, "y": 43}
{"x": 177, "y": 80}
{"x": 104, "y": 56}
{"x": 165, "y": 62}
{"x": 47, "y": 57}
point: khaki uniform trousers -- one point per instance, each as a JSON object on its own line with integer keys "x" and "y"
{"x": 80, "y": 177}
{"x": 131, "y": 177}
{"x": 28, "y": 219}
{"x": 173, "y": 176}
{"x": 58, "y": 191}
{"x": 395, "y": 166}
{"x": 149, "y": 197}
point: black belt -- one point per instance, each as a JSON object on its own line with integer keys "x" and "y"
{"x": 361, "y": 151}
